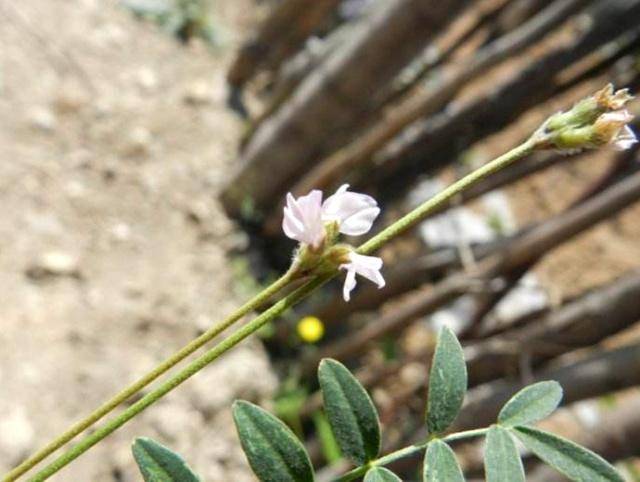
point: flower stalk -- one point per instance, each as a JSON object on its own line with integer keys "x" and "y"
{"x": 407, "y": 452}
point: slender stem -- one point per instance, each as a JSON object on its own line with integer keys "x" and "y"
{"x": 406, "y": 452}
{"x": 454, "y": 437}
{"x": 373, "y": 244}
{"x": 414, "y": 217}
{"x": 194, "y": 367}
{"x": 135, "y": 387}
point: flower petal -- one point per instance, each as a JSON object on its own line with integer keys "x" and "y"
{"x": 360, "y": 222}
{"x": 291, "y": 226}
{"x": 349, "y": 283}
{"x": 622, "y": 116}
{"x": 625, "y": 139}
{"x": 303, "y": 218}
{"x": 354, "y": 212}
{"x": 367, "y": 266}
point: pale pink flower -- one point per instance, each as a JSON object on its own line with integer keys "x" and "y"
{"x": 354, "y": 212}
{"x": 305, "y": 217}
{"x": 367, "y": 266}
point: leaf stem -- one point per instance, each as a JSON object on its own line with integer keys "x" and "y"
{"x": 407, "y": 452}
{"x": 394, "y": 230}
{"x": 138, "y": 385}
{"x": 454, "y": 437}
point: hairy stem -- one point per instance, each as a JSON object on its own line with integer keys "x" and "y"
{"x": 138, "y": 385}
{"x": 394, "y": 230}
{"x": 406, "y": 452}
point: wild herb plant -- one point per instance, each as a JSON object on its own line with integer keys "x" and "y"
{"x": 595, "y": 121}
{"x": 276, "y": 455}
{"x": 354, "y": 421}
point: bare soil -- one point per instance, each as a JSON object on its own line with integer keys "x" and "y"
{"x": 114, "y": 141}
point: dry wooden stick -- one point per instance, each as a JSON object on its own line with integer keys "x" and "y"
{"x": 329, "y": 102}
{"x": 281, "y": 33}
{"x": 431, "y": 143}
{"x": 477, "y": 19}
{"x": 521, "y": 251}
{"x": 623, "y": 165}
{"x": 435, "y": 95}
{"x": 600, "y": 373}
{"x": 580, "y": 323}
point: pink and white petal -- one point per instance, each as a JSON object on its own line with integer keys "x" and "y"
{"x": 292, "y": 204}
{"x": 330, "y": 205}
{"x": 360, "y": 222}
{"x": 625, "y": 139}
{"x": 349, "y": 281}
{"x": 304, "y": 207}
{"x": 354, "y": 212}
{"x": 349, "y": 204}
{"x": 311, "y": 204}
{"x": 316, "y": 236}
{"x": 343, "y": 203}
{"x": 364, "y": 261}
{"x": 369, "y": 267}
{"x": 378, "y": 279}
{"x": 303, "y": 218}
{"x": 372, "y": 275}
{"x": 291, "y": 226}
{"x": 619, "y": 116}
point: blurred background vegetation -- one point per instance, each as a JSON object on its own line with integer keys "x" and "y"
{"x": 536, "y": 268}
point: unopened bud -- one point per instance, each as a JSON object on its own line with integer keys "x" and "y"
{"x": 595, "y": 121}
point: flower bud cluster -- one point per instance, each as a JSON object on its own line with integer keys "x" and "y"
{"x": 595, "y": 121}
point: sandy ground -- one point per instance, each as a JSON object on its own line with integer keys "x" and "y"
{"x": 114, "y": 140}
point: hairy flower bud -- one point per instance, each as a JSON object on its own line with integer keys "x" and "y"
{"x": 593, "y": 122}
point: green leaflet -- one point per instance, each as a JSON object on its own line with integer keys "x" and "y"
{"x": 351, "y": 413}
{"x": 159, "y": 464}
{"x": 501, "y": 458}
{"x": 380, "y": 474}
{"x": 447, "y": 382}
{"x": 440, "y": 464}
{"x": 575, "y": 462}
{"x": 274, "y": 452}
{"x": 531, "y": 404}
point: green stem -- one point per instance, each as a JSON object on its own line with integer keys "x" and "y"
{"x": 397, "y": 228}
{"x": 414, "y": 217}
{"x": 135, "y": 387}
{"x": 194, "y": 367}
{"x": 406, "y": 452}
{"x": 454, "y": 437}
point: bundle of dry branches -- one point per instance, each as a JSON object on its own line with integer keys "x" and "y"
{"x": 408, "y": 92}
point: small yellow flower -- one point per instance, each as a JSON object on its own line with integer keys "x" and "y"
{"x": 310, "y": 329}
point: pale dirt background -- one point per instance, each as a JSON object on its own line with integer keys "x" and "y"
{"x": 114, "y": 140}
